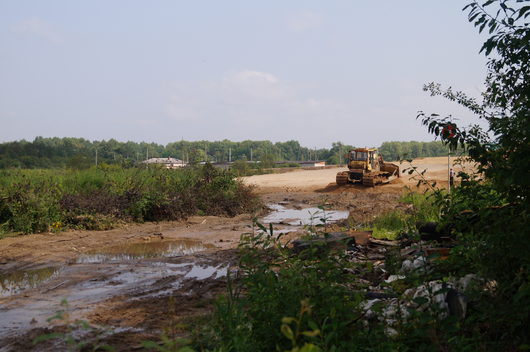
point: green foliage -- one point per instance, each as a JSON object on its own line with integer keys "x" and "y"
{"x": 424, "y": 208}
{"x": 311, "y": 301}
{"x": 38, "y": 200}
{"x": 274, "y": 286}
{"x": 490, "y": 210}
{"x": 29, "y": 204}
{"x": 401, "y": 150}
{"x": 296, "y": 334}
{"x": 389, "y": 225}
{"x": 240, "y": 167}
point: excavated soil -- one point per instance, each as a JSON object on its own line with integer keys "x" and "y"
{"x": 134, "y": 282}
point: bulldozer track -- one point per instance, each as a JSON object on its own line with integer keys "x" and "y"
{"x": 342, "y": 178}
{"x": 369, "y": 180}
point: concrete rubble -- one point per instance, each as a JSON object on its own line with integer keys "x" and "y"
{"x": 383, "y": 303}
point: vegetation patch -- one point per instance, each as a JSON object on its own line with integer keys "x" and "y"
{"x": 97, "y": 199}
{"x": 423, "y": 208}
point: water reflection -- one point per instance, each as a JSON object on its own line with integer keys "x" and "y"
{"x": 18, "y": 281}
{"x": 132, "y": 251}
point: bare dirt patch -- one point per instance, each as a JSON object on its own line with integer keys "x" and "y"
{"x": 323, "y": 180}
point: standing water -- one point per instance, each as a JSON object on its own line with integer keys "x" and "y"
{"x": 301, "y": 217}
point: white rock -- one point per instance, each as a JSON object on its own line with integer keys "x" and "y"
{"x": 435, "y": 294}
{"x": 412, "y": 265}
{"x": 367, "y": 305}
{"x": 391, "y": 332}
{"x": 464, "y": 282}
{"x": 393, "y": 278}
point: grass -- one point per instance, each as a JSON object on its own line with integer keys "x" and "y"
{"x": 393, "y": 223}
{"x": 389, "y": 225}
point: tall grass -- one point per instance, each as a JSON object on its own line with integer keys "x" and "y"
{"x": 44, "y": 200}
{"x": 390, "y": 225}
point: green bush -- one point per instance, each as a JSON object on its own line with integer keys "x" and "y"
{"x": 30, "y": 205}
{"x": 43, "y": 200}
{"x": 273, "y": 286}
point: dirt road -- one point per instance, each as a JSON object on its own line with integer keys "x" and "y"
{"x": 322, "y": 180}
{"x": 139, "y": 278}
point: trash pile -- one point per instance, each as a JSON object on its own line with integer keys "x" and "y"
{"x": 400, "y": 282}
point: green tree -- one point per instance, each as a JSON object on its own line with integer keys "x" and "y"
{"x": 496, "y": 238}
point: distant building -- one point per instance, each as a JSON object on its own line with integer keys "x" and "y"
{"x": 306, "y": 163}
{"x": 314, "y": 163}
{"x": 169, "y": 163}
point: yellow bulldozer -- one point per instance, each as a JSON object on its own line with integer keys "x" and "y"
{"x": 365, "y": 166}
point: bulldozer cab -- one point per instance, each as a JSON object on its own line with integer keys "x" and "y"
{"x": 363, "y": 158}
{"x": 358, "y": 155}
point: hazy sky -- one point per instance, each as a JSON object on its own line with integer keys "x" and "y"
{"x": 159, "y": 71}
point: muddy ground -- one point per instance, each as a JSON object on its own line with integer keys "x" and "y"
{"x": 137, "y": 280}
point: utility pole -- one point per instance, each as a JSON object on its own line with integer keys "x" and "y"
{"x": 230, "y": 155}
{"x": 449, "y": 170}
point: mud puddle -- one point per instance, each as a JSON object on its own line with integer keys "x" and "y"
{"x": 134, "y": 251}
{"x": 302, "y": 217}
{"x": 136, "y": 270}
{"x": 20, "y": 280}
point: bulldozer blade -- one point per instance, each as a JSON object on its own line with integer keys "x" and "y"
{"x": 387, "y": 180}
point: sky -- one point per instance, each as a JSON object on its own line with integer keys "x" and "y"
{"x": 162, "y": 71}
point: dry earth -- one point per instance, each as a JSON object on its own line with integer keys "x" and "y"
{"x": 138, "y": 297}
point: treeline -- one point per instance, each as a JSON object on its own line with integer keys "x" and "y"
{"x": 79, "y": 153}
{"x": 405, "y": 150}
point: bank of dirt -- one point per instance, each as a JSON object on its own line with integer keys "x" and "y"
{"x": 180, "y": 287}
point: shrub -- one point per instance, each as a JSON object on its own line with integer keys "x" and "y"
{"x": 35, "y": 201}
{"x": 272, "y": 286}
